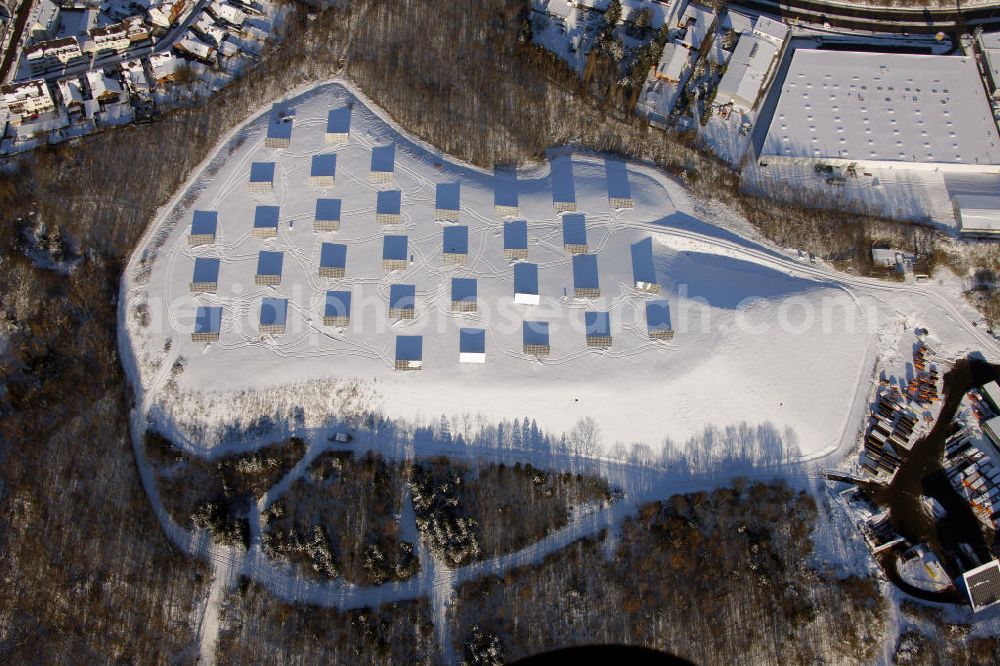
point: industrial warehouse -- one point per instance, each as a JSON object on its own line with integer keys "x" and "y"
{"x": 882, "y": 110}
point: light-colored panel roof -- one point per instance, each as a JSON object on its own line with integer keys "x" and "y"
{"x": 883, "y": 107}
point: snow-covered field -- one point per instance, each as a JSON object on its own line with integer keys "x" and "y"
{"x": 760, "y": 338}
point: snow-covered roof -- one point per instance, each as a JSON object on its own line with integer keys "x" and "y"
{"x": 746, "y": 72}
{"x": 977, "y": 213}
{"x": 164, "y": 65}
{"x": 71, "y": 91}
{"x": 991, "y": 391}
{"x": 673, "y": 61}
{"x": 884, "y": 107}
{"x": 767, "y": 28}
{"x": 698, "y": 20}
{"x": 102, "y": 85}
{"x": 735, "y": 21}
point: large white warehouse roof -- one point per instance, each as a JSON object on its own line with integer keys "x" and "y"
{"x": 927, "y": 111}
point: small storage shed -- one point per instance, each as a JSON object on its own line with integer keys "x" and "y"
{"x": 643, "y": 267}
{"x": 586, "y": 282}
{"x": 598, "y": 327}
{"x": 338, "y": 126}
{"x": 337, "y": 308}
{"x": 563, "y": 189}
{"x": 515, "y": 240}
{"x": 327, "y": 215}
{"x": 464, "y": 293}
{"x": 332, "y": 260}
{"x": 394, "y": 253}
{"x": 409, "y": 352}
{"x": 269, "y": 268}
{"x": 273, "y": 314}
{"x": 658, "y": 321}
{"x": 206, "y": 275}
{"x": 535, "y": 338}
{"x": 383, "y": 163}
{"x": 402, "y": 301}
{"x": 619, "y": 190}
{"x": 207, "y": 324}
{"x": 262, "y": 176}
{"x": 472, "y": 345}
{"x": 455, "y": 245}
{"x": 574, "y": 231}
{"x": 526, "y": 284}
{"x": 323, "y": 171}
{"x": 505, "y": 192}
{"x": 204, "y": 224}
{"x": 388, "y": 204}
{"x": 265, "y": 221}
{"x": 279, "y": 127}
{"x": 446, "y": 202}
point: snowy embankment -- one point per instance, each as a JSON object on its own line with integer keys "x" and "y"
{"x": 760, "y": 339}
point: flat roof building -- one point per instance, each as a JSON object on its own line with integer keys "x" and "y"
{"x": 586, "y": 282}
{"x": 658, "y": 321}
{"x": 883, "y": 110}
{"x": 332, "y": 260}
{"x": 515, "y": 240}
{"x": 337, "y": 308}
{"x": 204, "y": 224}
{"x": 338, "y": 126}
{"x": 746, "y": 72}
{"x": 447, "y": 198}
{"x": 394, "y": 253}
{"x": 388, "y": 204}
{"x": 206, "y": 274}
{"x": 262, "y": 176}
{"x": 464, "y": 293}
{"x": 982, "y": 584}
{"x": 472, "y": 345}
{"x": 977, "y": 214}
{"x": 598, "y": 329}
{"x": 269, "y": 268}
{"x": 991, "y": 428}
{"x": 402, "y": 301}
{"x": 265, "y": 221}
{"x": 991, "y": 393}
{"x": 323, "y": 171}
{"x": 674, "y": 63}
{"x": 409, "y": 352}
{"x": 207, "y": 324}
{"x": 535, "y": 338}
{"x": 455, "y": 245}
{"x": 273, "y": 314}
{"x": 383, "y": 163}
{"x": 643, "y": 267}
{"x": 526, "y": 284}
{"x": 327, "y": 216}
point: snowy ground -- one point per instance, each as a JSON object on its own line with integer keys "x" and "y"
{"x": 760, "y": 338}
